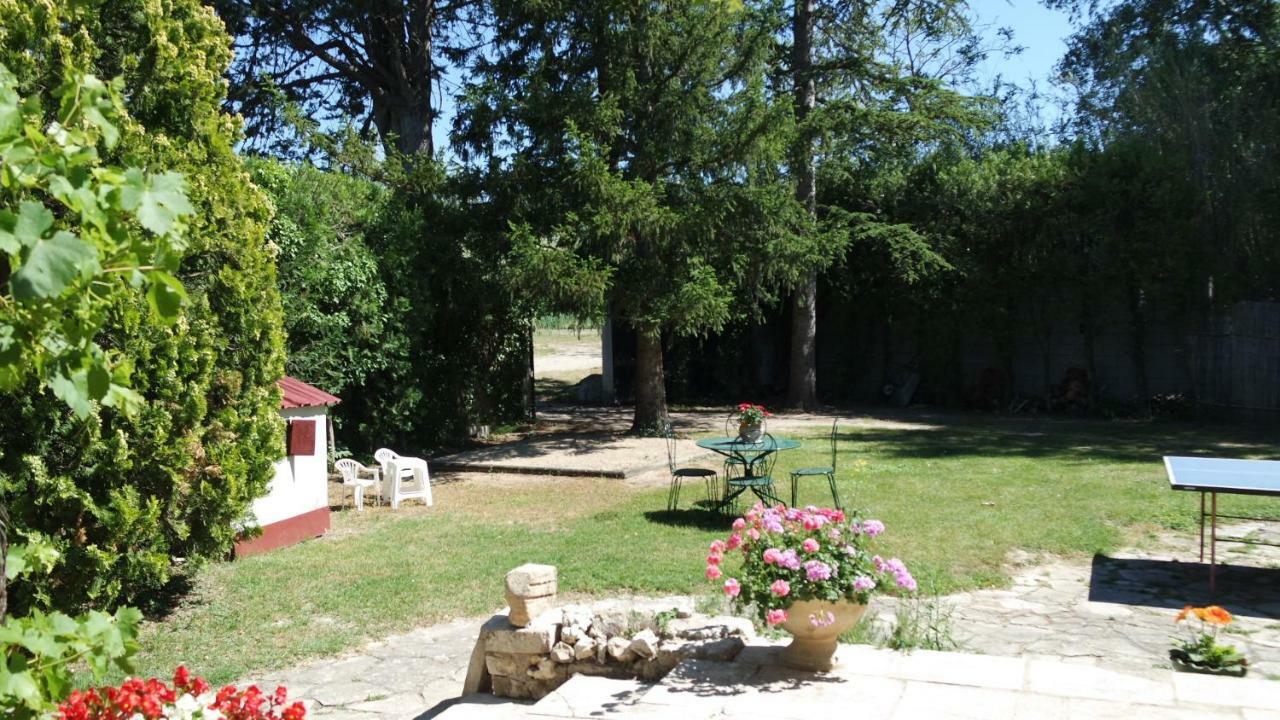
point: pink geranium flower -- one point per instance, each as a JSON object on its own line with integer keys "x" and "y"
{"x": 713, "y": 559}
{"x": 717, "y": 547}
{"x": 739, "y": 524}
{"x": 810, "y": 545}
{"x": 771, "y": 556}
{"x": 753, "y": 534}
{"x": 775, "y": 617}
{"x": 732, "y": 587}
{"x": 780, "y": 587}
{"x": 735, "y": 540}
{"x": 713, "y": 572}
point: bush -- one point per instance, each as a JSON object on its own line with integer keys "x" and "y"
{"x": 121, "y": 496}
{"x": 416, "y": 360}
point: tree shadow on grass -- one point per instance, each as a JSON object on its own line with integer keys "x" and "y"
{"x": 1066, "y": 440}
{"x": 158, "y": 605}
{"x": 696, "y": 517}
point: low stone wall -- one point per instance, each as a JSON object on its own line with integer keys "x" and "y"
{"x": 619, "y": 639}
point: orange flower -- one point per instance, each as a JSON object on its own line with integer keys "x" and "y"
{"x": 1186, "y": 611}
{"x": 1215, "y": 615}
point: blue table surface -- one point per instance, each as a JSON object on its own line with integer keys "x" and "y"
{"x": 1229, "y": 475}
{"x": 726, "y": 445}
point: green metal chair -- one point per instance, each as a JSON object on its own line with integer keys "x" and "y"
{"x": 829, "y": 472}
{"x": 679, "y": 474}
{"x": 757, "y": 477}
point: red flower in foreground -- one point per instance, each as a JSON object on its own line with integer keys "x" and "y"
{"x": 153, "y": 699}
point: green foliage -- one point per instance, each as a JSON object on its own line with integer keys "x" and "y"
{"x": 43, "y": 651}
{"x": 397, "y": 300}
{"x": 336, "y": 313}
{"x": 921, "y": 623}
{"x": 60, "y": 279}
{"x": 121, "y": 495}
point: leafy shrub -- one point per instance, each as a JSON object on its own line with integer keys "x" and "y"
{"x": 42, "y": 651}
{"x": 395, "y": 300}
{"x": 121, "y": 495}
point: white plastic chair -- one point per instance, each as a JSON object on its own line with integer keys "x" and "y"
{"x": 396, "y": 469}
{"x": 351, "y": 472}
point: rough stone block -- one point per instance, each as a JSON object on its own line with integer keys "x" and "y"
{"x": 509, "y": 663}
{"x": 547, "y": 669}
{"x": 710, "y": 628}
{"x": 531, "y": 640}
{"x": 532, "y": 580}
{"x": 619, "y": 648}
{"x": 645, "y": 644}
{"x": 478, "y": 679}
{"x": 562, "y": 652}
{"x": 584, "y": 649}
{"x": 523, "y": 610}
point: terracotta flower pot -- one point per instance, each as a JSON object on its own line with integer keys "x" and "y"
{"x": 817, "y": 626}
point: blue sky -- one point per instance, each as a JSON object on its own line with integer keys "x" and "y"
{"x": 1041, "y": 31}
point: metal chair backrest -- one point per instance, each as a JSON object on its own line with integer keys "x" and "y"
{"x": 731, "y": 425}
{"x": 349, "y": 469}
{"x": 669, "y": 435}
{"x": 834, "y": 424}
{"x": 763, "y": 466}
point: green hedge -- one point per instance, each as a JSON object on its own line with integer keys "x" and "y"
{"x": 122, "y": 496}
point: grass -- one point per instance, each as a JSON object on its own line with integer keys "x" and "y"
{"x": 956, "y": 500}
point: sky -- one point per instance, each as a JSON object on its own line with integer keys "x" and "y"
{"x": 1041, "y": 31}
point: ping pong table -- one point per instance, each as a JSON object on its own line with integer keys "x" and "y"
{"x": 1210, "y": 476}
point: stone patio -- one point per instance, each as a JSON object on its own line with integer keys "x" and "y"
{"x": 572, "y": 455}
{"x": 881, "y": 684}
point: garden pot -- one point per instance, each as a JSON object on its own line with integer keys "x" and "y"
{"x": 1182, "y": 663}
{"x": 815, "y": 643}
{"x": 750, "y": 433}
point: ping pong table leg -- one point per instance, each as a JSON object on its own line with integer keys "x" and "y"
{"x": 1213, "y": 545}
{"x": 1201, "y": 527}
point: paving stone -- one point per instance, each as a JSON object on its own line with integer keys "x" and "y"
{"x": 1053, "y": 678}
{"x": 929, "y": 701}
{"x": 1243, "y": 692}
{"x": 584, "y": 697}
{"x": 984, "y": 671}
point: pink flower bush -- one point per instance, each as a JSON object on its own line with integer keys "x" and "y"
{"x": 793, "y": 554}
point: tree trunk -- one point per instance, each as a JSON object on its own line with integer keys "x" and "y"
{"x": 1138, "y": 338}
{"x": 802, "y": 388}
{"x": 409, "y": 123}
{"x": 651, "y": 393}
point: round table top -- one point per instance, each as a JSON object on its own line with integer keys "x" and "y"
{"x": 734, "y": 445}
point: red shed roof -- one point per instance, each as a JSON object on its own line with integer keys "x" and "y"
{"x": 299, "y": 394}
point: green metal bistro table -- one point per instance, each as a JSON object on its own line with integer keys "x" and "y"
{"x": 751, "y": 456}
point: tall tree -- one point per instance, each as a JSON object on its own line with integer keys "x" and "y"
{"x": 864, "y": 76}
{"x": 377, "y": 63}
{"x": 638, "y": 143}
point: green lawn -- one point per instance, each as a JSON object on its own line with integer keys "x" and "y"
{"x": 956, "y": 500}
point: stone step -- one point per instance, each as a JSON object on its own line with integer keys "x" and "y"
{"x": 585, "y": 696}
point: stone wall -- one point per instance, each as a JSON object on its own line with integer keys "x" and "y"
{"x": 614, "y": 638}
